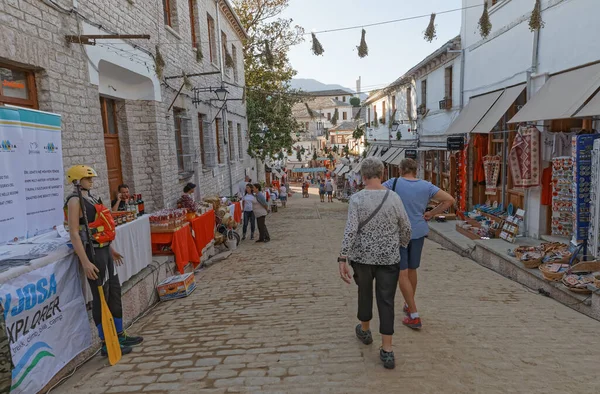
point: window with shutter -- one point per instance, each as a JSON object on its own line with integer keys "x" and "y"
{"x": 218, "y": 133}
{"x": 182, "y": 125}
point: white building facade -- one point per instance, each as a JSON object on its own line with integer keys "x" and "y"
{"x": 515, "y": 64}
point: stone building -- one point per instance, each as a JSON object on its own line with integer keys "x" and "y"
{"x": 118, "y": 98}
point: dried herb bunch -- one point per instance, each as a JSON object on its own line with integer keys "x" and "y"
{"x": 485, "y": 26}
{"x": 536, "y": 22}
{"x": 363, "y": 49}
{"x": 159, "y": 63}
{"x": 268, "y": 55}
{"x": 430, "y": 32}
{"x": 317, "y": 48}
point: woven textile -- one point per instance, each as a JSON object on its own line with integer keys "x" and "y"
{"x": 491, "y": 167}
{"x": 524, "y": 158}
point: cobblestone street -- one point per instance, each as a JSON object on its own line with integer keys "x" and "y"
{"x": 277, "y": 318}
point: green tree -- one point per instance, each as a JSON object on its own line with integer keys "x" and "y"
{"x": 299, "y": 155}
{"x": 355, "y": 101}
{"x": 335, "y": 117}
{"x": 268, "y": 72}
{"x": 315, "y": 157}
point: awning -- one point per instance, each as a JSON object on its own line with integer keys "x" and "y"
{"x": 472, "y": 113}
{"x": 592, "y": 108}
{"x": 398, "y": 154}
{"x": 337, "y": 169}
{"x": 344, "y": 170}
{"x": 498, "y": 110}
{"x": 398, "y": 159}
{"x": 317, "y": 169}
{"x": 356, "y": 168}
{"x": 373, "y": 151}
{"x": 389, "y": 154}
{"x": 562, "y": 96}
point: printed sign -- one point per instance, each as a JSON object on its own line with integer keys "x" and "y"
{"x": 410, "y": 154}
{"x": 43, "y": 308}
{"x": 31, "y": 173}
{"x": 455, "y": 143}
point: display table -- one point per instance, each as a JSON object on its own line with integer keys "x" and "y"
{"x": 181, "y": 243}
{"x": 133, "y": 242}
{"x": 203, "y": 227}
{"x": 50, "y": 332}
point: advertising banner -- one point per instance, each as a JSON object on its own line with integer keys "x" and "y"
{"x": 46, "y": 323}
{"x": 31, "y": 173}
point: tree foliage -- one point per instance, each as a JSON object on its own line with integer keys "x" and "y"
{"x": 268, "y": 72}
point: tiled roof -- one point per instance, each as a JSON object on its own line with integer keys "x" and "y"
{"x": 345, "y": 126}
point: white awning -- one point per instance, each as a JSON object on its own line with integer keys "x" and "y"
{"x": 562, "y": 96}
{"x": 591, "y": 109}
{"x": 344, "y": 170}
{"x": 389, "y": 154}
{"x": 356, "y": 168}
{"x": 396, "y": 160}
{"x": 472, "y": 113}
{"x": 498, "y": 110}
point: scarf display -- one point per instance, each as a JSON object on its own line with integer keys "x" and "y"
{"x": 491, "y": 168}
{"x": 524, "y": 158}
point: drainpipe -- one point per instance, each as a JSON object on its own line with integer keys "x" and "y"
{"x": 225, "y": 123}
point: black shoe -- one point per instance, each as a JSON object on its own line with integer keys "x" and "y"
{"x": 127, "y": 341}
{"x": 124, "y": 350}
{"x": 260, "y": 240}
{"x": 244, "y": 237}
{"x": 389, "y": 361}
{"x": 364, "y": 336}
{"x": 267, "y": 240}
{"x": 251, "y": 237}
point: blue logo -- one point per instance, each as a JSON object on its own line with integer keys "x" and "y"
{"x": 7, "y": 146}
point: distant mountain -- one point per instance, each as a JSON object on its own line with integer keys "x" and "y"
{"x": 312, "y": 85}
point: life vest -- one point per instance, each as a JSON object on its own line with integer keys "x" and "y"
{"x": 102, "y": 228}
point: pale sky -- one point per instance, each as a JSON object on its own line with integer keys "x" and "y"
{"x": 393, "y": 48}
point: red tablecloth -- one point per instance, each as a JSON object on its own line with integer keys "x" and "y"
{"x": 204, "y": 230}
{"x": 237, "y": 213}
{"x": 182, "y": 244}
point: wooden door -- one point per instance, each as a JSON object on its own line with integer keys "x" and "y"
{"x": 111, "y": 144}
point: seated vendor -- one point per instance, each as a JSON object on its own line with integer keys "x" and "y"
{"x": 123, "y": 196}
{"x": 187, "y": 199}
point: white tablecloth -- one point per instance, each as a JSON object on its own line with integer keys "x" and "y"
{"x": 133, "y": 242}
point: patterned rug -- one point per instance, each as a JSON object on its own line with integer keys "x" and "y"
{"x": 524, "y": 158}
{"x": 491, "y": 167}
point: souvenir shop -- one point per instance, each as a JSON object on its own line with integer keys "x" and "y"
{"x": 504, "y": 162}
{"x": 441, "y": 167}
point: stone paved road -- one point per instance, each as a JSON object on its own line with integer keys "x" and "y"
{"x": 276, "y": 318}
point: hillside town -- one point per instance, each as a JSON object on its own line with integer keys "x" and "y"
{"x": 207, "y": 196}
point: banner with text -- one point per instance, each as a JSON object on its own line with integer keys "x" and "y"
{"x": 41, "y": 309}
{"x": 31, "y": 173}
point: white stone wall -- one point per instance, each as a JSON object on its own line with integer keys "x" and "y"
{"x": 32, "y": 35}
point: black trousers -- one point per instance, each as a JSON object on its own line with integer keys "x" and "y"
{"x": 249, "y": 218}
{"x": 263, "y": 233}
{"x": 112, "y": 287}
{"x": 386, "y": 282}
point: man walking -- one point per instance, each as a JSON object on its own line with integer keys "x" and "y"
{"x": 329, "y": 190}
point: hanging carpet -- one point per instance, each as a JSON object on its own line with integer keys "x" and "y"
{"x": 524, "y": 158}
{"x": 491, "y": 167}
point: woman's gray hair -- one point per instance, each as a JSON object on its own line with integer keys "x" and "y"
{"x": 371, "y": 167}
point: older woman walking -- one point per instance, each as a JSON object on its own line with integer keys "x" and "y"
{"x": 377, "y": 227}
{"x": 416, "y": 194}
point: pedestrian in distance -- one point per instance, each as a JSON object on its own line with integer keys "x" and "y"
{"x": 261, "y": 209}
{"x": 98, "y": 265}
{"x": 283, "y": 195}
{"x": 322, "y": 190}
{"x": 377, "y": 228}
{"x": 329, "y": 190}
{"x": 248, "y": 202}
{"x": 415, "y": 194}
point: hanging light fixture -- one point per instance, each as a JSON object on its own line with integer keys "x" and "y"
{"x": 221, "y": 93}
